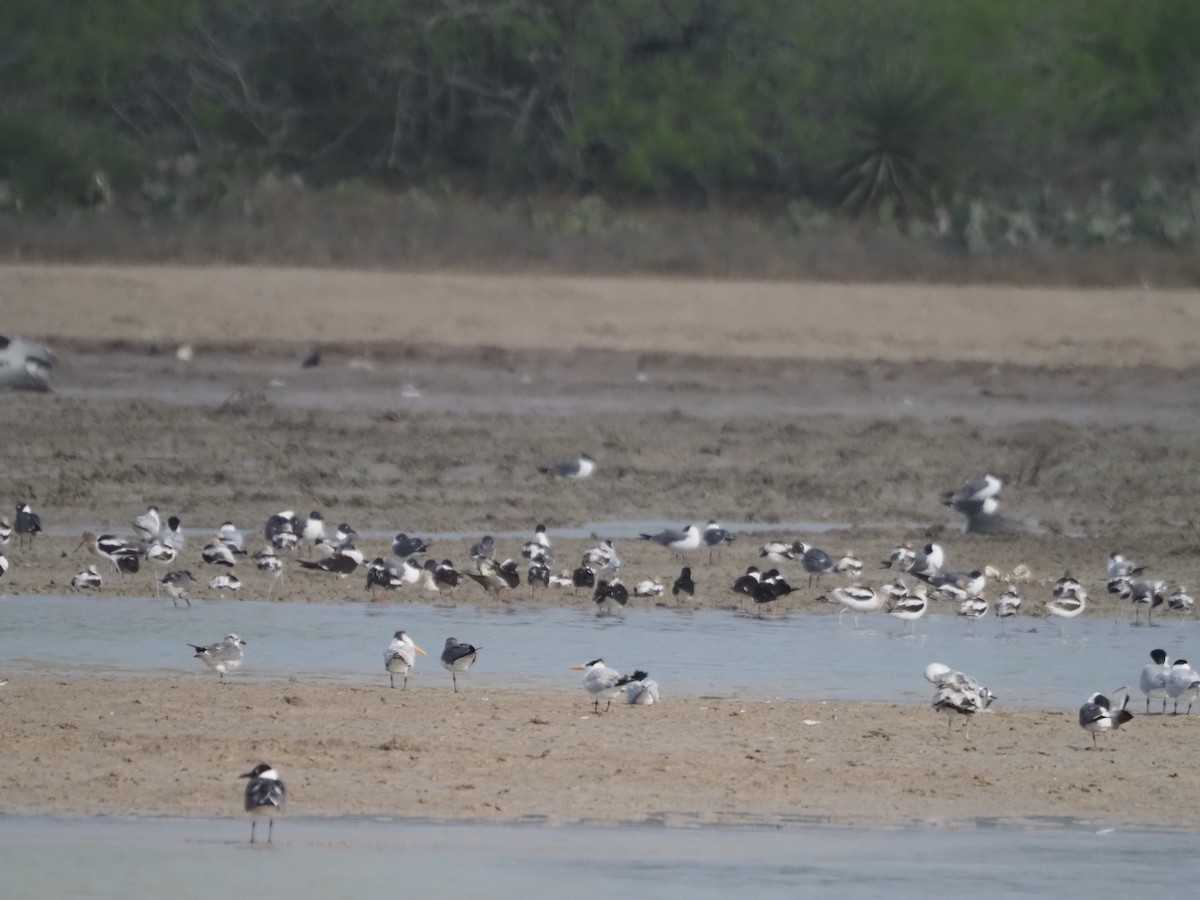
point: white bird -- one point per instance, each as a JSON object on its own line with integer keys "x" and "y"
{"x": 957, "y": 694}
{"x": 223, "y": 656}
{"x": 1071, "y": 604}
{"x": 229, "y": 535}
{"x": 859, "y": 598}
{"x": 399, "y": 657}
{"x": 849, "y": 564}
{"x": 1181, "y": 602}
{"x": 679, "y": 541}
{"x": 928, "y": 561}
{"x": 88, "y": 578}
{"x": 313, "y": 529}
{"x": 603, "y": 557}
{"x": 172, "y": 534}
{"x": 603, "y": 683}
{"x": 1183, "y": 684}
{"x": 123, "y": 556}
{"x": 148, "y": 524}
{"x": 582, "y": 466}
{"x": 642, "y": 693}
{"x": 910, "y": 607}
{"x": 538, "y": 548}
{"x": 218, "y": 553}
{"x": 265, "y": 798}
{"x": 648, "y": 587}
{"x": 1154, "y": 679}
{"x": 1097, "y": 714}
{"x": 269, "y": 566}
{"x": 225, "y": 581}
{"x": 1120, "y": 567}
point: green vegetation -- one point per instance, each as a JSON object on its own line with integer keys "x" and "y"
{"x": 981, "y": 125}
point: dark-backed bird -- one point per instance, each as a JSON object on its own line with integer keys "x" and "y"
{"x": 458, "y": 657}
{"x": 1099, "y": 714}
{"x": 684, "y": 584}
{"x": 265, "y": 798}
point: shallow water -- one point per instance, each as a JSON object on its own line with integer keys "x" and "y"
{"x": 707, "y": 652}
{"x": 201, "y": 858}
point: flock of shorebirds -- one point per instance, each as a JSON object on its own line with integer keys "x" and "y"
{"x": 930, "y": 580}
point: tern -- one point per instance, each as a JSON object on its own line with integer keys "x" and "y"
{"x": 715, "y": 537}
{"x": 603, "y": 683}
{"x": 400, "y": 656}
{"x": 1183, "y": 683}
{"x": 1153, "y": 680}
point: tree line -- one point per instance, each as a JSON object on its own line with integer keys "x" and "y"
{"x": 891, "y": 107}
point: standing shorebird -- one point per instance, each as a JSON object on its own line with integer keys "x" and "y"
{"x": 604, "y": 683}
{"x": 177, "y": 584}
{"x": 400, "y": 656}
{"x": 148, "y": 524}
{"x": 269, "y": 566}
{"x": 266, "y": 797}
{"x": 458, "y": 657}
{"x": 223, "y": 656}
{"x": 29, "y": 524}
{"x": 123, "y": 556}
{"x": 1099, "y": 714}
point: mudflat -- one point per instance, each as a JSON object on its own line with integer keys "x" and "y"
{"x": 832, "y": 413}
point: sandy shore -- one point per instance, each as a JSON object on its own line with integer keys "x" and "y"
{"x": 174, "y": 746}
{"x": 847, "y": 407}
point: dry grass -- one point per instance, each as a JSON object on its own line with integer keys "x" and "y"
{"x": 416, "y": 232}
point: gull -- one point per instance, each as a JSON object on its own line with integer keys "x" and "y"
{"x": 648, "y": 587}
{"x": 603, "y": 556}
{"x": 1182, "y": 684}
{"x": 1154, "y": 679}
{"x": 404, "y": 546}
{"x": 5, "y": 531}
{"x": 1120, "y": 567}
{"x": 270, "y": 566}
{"x": 539, "y": 546}
{"x": 680, "y": 541}
{"x": 29, "y": 524}
{"x": 88, "y": 578}
{"x": 715, "y": 537}
{"x": 458, "y": 657}
{"x": 484, "y": 548}
{"x": 910, "y": 607}
{"x": 957, "y": 693}
{"x": 148, "y": 524}
{"x": 684, "y": 584}
{"x": 123, "y": 556}
{"x": 266, "y": 797}
{"x": 604, "y": 683}
{"x": 223, "y": 656}
{"x": 1181, "y": 602}
{"x": 974, "y": 495}
{"x": 343, "y": 537}
{"x": 859, "y": 598}
{"x": 494, "y": 577}
{"x": 901, "y": 557}
{"x": 225, "y": 581}
{"x": 927, "y": 561}
{"x": 610, "y": 596}
{"x": 643, "y": 692}
{"x": 218, "y": 553}
{"x": 970, "y": 584}
{"x": 229, "y": 535}
{"x": 816, "y": 562}
{"x": 176, "y": 584}
{"x": 313, "y": 529}
{"x": 1097, "y": 716}
{"x": 172, "y": 534}
{"x": 576, "y": 469}
{"x": 400, "y": 656}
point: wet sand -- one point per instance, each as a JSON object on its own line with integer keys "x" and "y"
{"x": 173, "y": 745}
{"x": 436, "y": 399}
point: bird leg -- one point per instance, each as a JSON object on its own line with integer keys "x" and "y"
{"x": 270, "y": 829}
{"x": 253, "y": 823}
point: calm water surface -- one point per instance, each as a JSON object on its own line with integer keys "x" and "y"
{"x": 202, "y": 859}
{"x": 709, "y": 652}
